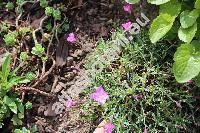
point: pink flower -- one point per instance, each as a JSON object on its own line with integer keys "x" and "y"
{"x": 70, "y": 103}
{"x": 145, "y": 130}
{"x": 100, "y": 95}
{"x": 109, "y": 127}
{"x": 127, "y": 26}
{"x": 128, "y": 8}
{"x": 71, "y": 38}
{"x": 189, "y": 81}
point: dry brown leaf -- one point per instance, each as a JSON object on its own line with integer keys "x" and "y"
{"x": 62, "y": 52}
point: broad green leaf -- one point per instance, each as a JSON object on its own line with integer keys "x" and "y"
{"x": 172, "y": 34}
{"x": 186, "y": 35}
{"x": 160, "y": 26}
{"x": 188, "y": 18}
{"x": 197, "y": 35}
{"x": 11, "y": 104}
{"x": 158, "y": 2}
{"x": 132, "y": 1}
{"x": 13, "y": 107}
{"x": 197, "y": 4}
{"x": 187, "y": 62}
{"x": 197, "y": 80}
{"x": 172, "y": 8}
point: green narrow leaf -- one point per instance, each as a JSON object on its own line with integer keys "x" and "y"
{"x": 1, "y": 75}
{"x": 132, "y": 1}
{"x": 160, "y": 26}
{"x": 158, "y": 2}
{"x": 188, "y": 18}
{"x": 187, "y": 62}
{"x": 186, "y": 35}
{"x": 6, "y": 67}
{"x": 15, "y": 81}
{"x": 197, "y": 4}
{"x": 21, "y": 110}
{"x": 172, "y": 8}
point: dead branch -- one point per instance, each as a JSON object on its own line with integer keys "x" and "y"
{"x": 34, "y": 90}
{"x": 46, "y": 74}
{"x": 39, "y": 29}
{"x": 19, "y": 16}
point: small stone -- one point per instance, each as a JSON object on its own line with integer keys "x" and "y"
{"x": 62, "y": 84}
{"x": 70, "y": 61}
{"x": 41, "y": 109}
{"x": 58, "y": 88}
{"x": 49, "y": 111}
{"x": 49, "y": 129}
{"x": 78, "y": 53}
{"x": 70, "y": 76}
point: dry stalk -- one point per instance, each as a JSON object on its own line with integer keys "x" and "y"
{"x": 19, "y": 16}
{"x": 34, "y": 90}
{"x": 39, "y": 29}
{"x": 46, "y": 74}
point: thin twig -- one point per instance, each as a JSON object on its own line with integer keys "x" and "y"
{"x": 56, "y": 35}
{"x": 17, "y": 20}
{"x": 50, "y": 41}
{"x": 46, "y": 74}
{"x": 41, "y": 24}
{"x": 34, "y": 36}
{"x": 23, "y": 94}
{"x": 43, "y": 67}
{"x": 34, "y": 90}
{"x": 39, "y": 29}
{"x": 19, "y": 16}
{"x": 55, "y": 82}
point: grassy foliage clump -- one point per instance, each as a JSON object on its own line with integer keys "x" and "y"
{"x": 10, "y": 104}
{"x": 143, "y": 92}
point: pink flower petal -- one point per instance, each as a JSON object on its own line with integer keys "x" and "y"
{"x": 71, "y": 38}
{"x": 145, "y": 130}
{"x": 189, "y": 81}
{"x": 127, "y": 26}
{"x": 109, "y": 127}
{"x": 100, "y": 95}
{"x": 70, "y": 103}
{"x": 127, "y": 8}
